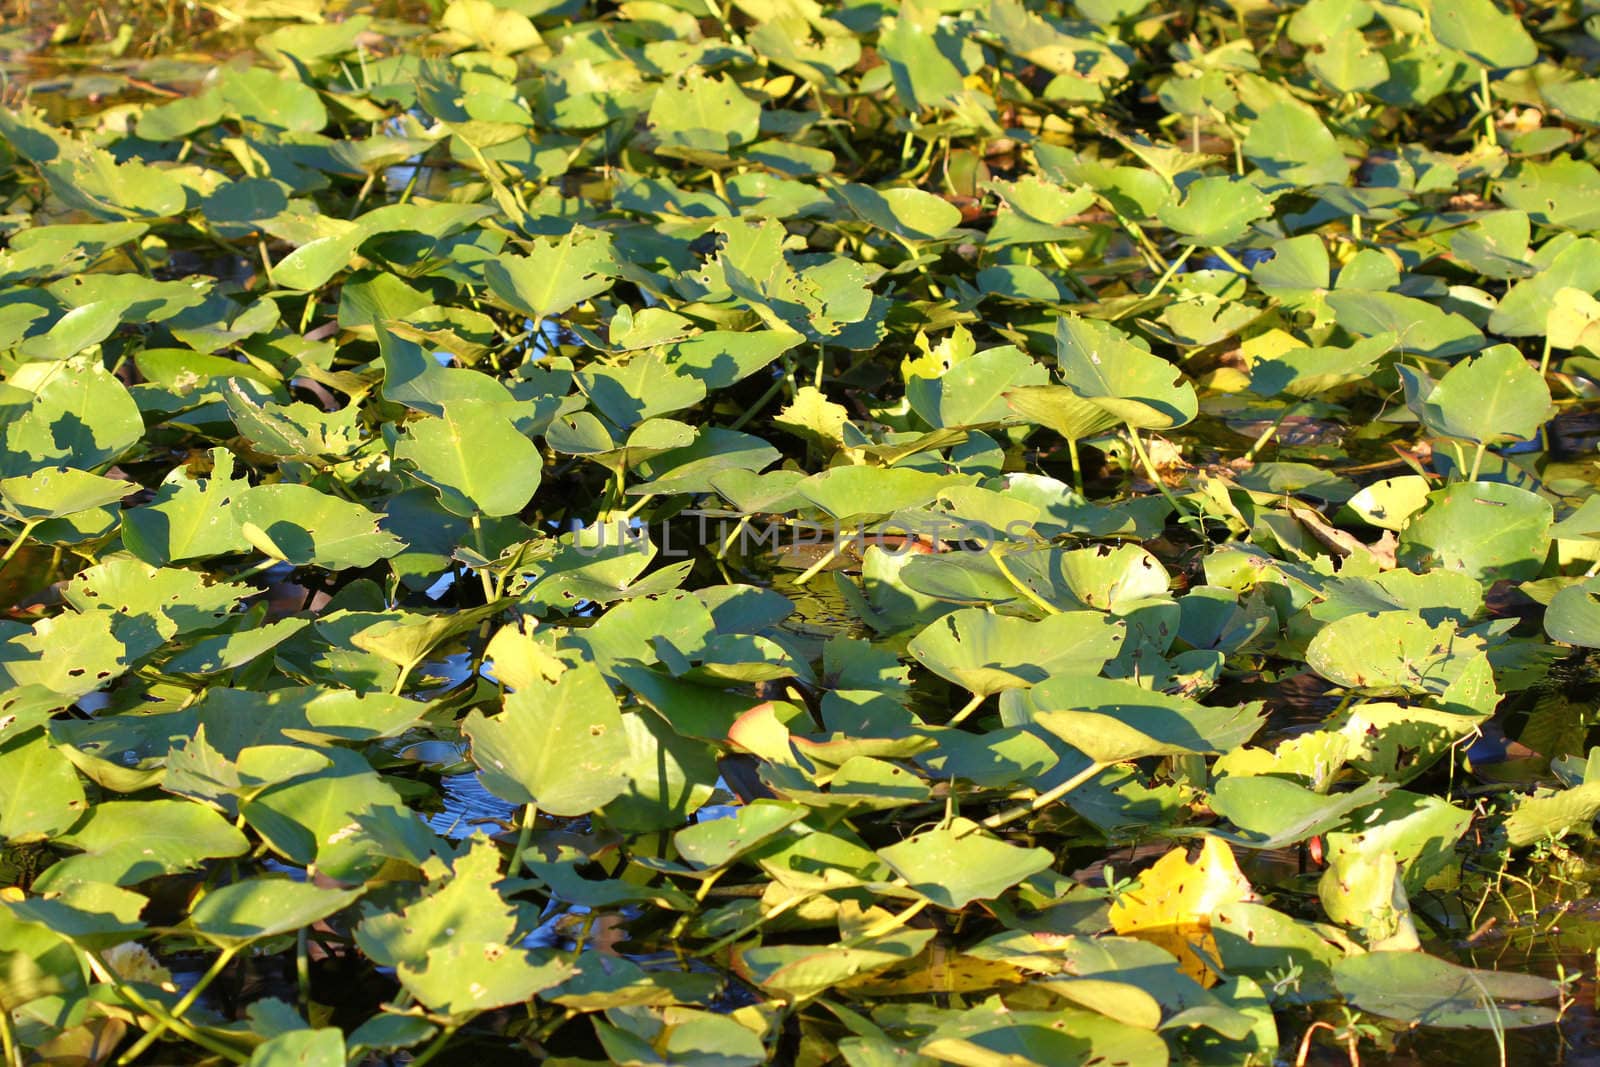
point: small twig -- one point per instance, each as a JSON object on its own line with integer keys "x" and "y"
{"x": 1305, "y": 1040}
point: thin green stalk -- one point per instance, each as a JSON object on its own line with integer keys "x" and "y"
{"x": 266, "y": 261}
{"x": 104, "y": 972}
{"x": 1238, "y": 146}
{"x": 136, "y": 254}
{"x": 727, "y": 542}
{"x": 833, "y": 553}
{"x": 1044, "y": 799}
{"x": 436, "y": 1045}
{"x": 619, "y": 490}
{"x": 700, "y": 895}
{"x": 556, "y": 1022}
{"x": 530, "y": 816}
{"x": 1077, "y": 468}
{"x": 1496, "y": 1023}
{"x": 1065, "y": 266}
{"x": 511, "y": 341}
{"x": 405, "y": 676}
{"x": 924, "y": 160}
{"x": 224, "y": 958}
{"x": 1544, "y": 357}
{"x": 411, "y": 183}
{"x": 302, "y": 968}
{"x": 893, "y": 922}
{"x": 717, "y": 185}
{"x": 755, "y": 409}
{"x": 750, "y": 927}
{"x": 922, "y": 267}
{"x": 721, "y": 16}
{"x": 18, "y": 541}
{"x": 1150, "y": 469}
{"x": 1229, "y": 258}
{"x": 1034, "y": 598}
{"x": 1477, "y": 461}
{"x": 827, "y": 124}
{"x": 1270, "y": 432}
{"x": 8, "y": 1039}
{"x": 583, "y": 935}
{"x": 366, "y": 187}
{"x": 1488, "y": 104}
{"x": 967, "y": 709}
{"x": 255, "y": 569}
{"x": 1151, "y": 252}
{"x": 1172, "y": 269}
{"x": 483, "y": 553}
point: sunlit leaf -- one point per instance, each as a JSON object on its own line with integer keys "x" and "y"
{"x": 957, "y": 864}
{"x": 1175, "y": 900}
{"x": 528, "y": 753}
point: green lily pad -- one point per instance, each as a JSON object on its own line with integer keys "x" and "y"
{"x": 1216, "y": 211}
{"x": 555, "y": 276}
{"x": 859, "y": 492}
{"x": 957, "y": 864}
{"x": 1275, "y": 812}
{"x": 125, "y": 842}
{"x": 475, "y": 458}
{"x": 986, "y": 653}
{"x": 1424, "y": 990}
{"x": 908, "y": 213}
{"x": 1489, "y": 530}
{"x": 301, "y": 525}
{"x": 1103, "y": 366}
{"x": 40, "y": 796}
{"x": 1485, "y": 32}
{"x": 301, "y": 1048}
{"x": 54, "y": 493}
{"x": 523, "y": 752}
{"x": 1391, "y": 650}
{"x": 1291, "y": 144}
{"x": 1488, "y": 398}
{"x": 1111, "y": 720}
{"x": 975, "y": 390}
{"x": 238, "y": 914}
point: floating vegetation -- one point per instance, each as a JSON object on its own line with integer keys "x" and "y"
{"x": 692, "y": 533}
